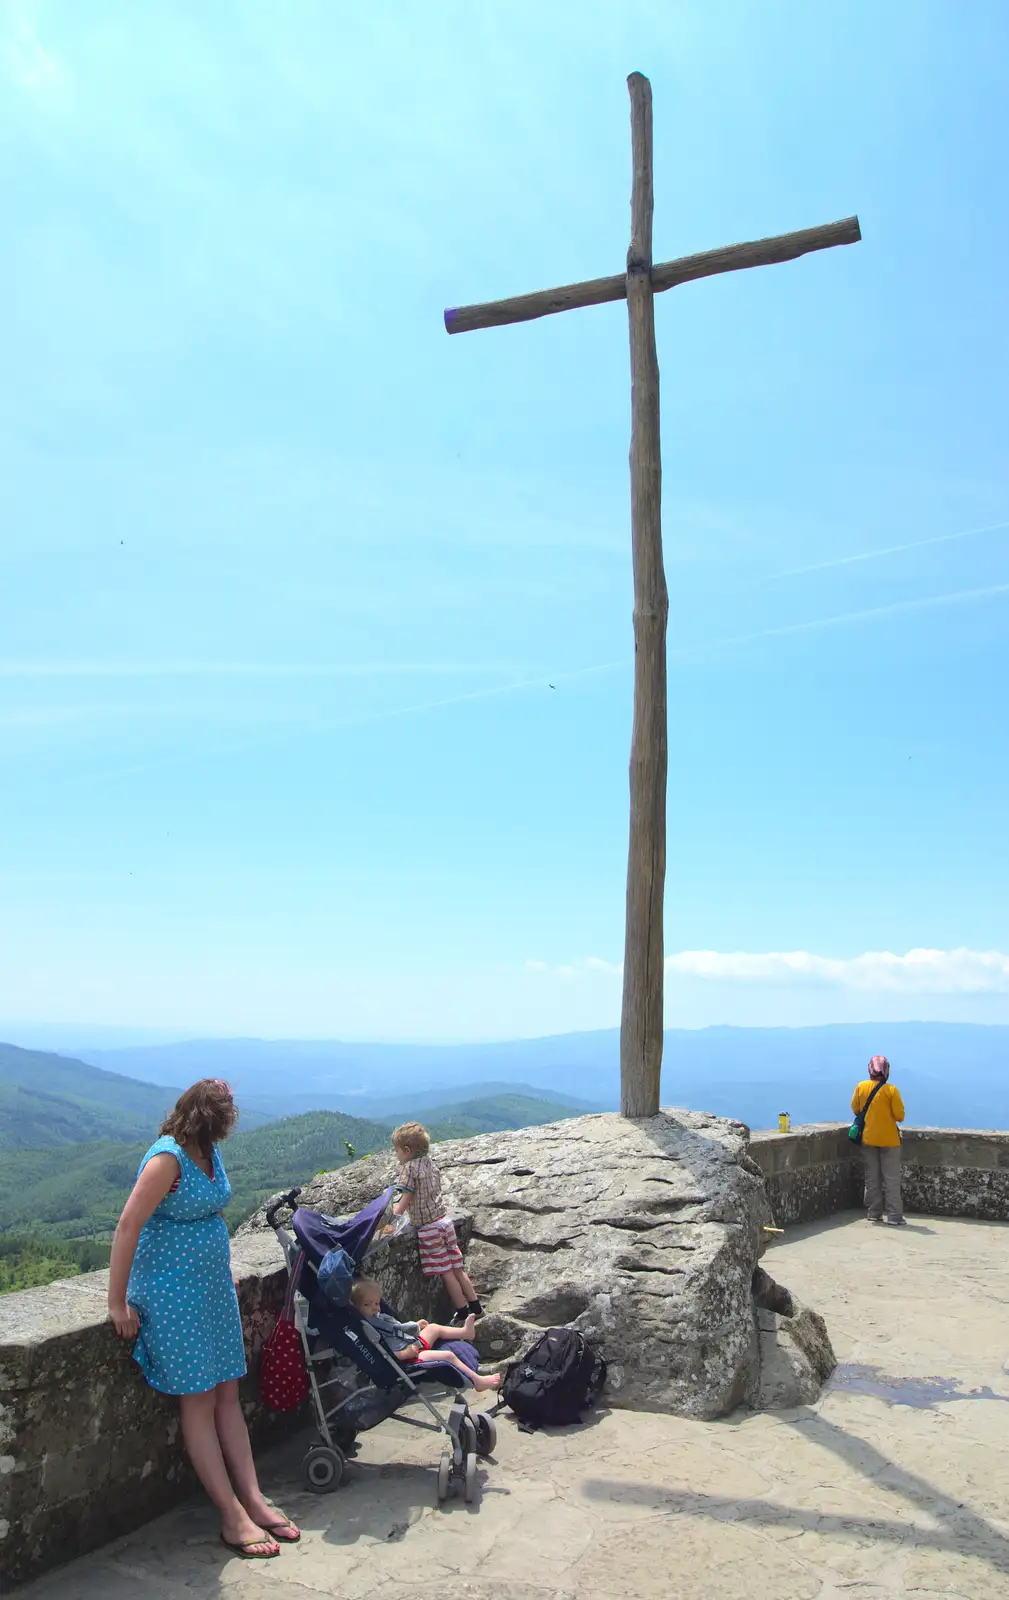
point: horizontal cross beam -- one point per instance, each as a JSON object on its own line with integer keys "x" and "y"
{"x": 665, "y": 275}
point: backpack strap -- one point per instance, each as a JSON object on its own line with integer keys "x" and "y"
{"x": 865, "y": 1109}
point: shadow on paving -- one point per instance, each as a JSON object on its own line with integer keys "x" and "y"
{"x": 377, "y": 1500}
{"x": 972, "y": 1534}
{"x": 853, "y": 1216}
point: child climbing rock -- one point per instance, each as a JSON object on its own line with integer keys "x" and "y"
{"x": 420, "y": 1184}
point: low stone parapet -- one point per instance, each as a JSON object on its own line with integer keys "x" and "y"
{"x": 956, "y": 1173}
{"x": 814, "y": 1171}
{"x": 88, "y": 1450}
{"x": 809, "y": 1172}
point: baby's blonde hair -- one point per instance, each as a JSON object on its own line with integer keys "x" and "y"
{"x": 364, "y": 1289}
{"x": 412, "y": 1136}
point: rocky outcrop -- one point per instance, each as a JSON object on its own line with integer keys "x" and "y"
{"x": 643, "y": 1235}
{"x": 795, "y": 1358}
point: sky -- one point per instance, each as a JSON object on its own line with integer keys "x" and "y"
{"x": 315, "y": 624}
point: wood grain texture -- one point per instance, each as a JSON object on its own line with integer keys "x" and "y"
{"x": 665, "y": 275}
{"x": 641, "y": 1014}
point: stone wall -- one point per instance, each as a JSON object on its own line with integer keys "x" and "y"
{"x": 809, "y": 1172}
{"x": 815, "y": 1171}
{"x": 956, "y": 1173}
{"x": 87, "y": 1449}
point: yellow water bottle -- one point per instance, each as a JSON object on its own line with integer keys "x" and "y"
{"x": 784, "y": 1121}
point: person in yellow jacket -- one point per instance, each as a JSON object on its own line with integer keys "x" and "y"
{"x": 881, "y": 1142}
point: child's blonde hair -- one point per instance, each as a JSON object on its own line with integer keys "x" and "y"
{"x": 364, "y": 1289}
{"x": 412, "y": 1137}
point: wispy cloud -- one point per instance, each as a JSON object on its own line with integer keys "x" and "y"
{"x": 532, "y": 683}
{"x": 248, "y": 669}
{"x": 888, "y": 550}
{"x": 419, "y": 669}
{"x": 336, "y": 724}
{"x": 920, "y": 971}
{"x": 27, "y": 60}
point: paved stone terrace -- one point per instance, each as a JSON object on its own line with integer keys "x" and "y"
{"x": 858, "y": 1495}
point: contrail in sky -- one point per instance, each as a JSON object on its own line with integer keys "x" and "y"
{"x": 926, "y": 602}
{"x": 419, "y": 708}
{"x": 890, "y": 550}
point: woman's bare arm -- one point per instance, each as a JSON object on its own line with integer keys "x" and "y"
{"x": 148, "y": 1192}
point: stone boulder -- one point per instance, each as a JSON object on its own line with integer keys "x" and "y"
{"x": 644, "y": 1235}
{"x": 796, "y": 1358}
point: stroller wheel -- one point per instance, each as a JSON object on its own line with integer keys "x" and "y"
{"x": 444, "y": 1477}
{"x": 322, "y": 1469}
{"x": 486, "y": 1434}
{"x": 469, "y": 1486}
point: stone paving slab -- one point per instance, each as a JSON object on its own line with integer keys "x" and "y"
{"x": 855, "y": 1496}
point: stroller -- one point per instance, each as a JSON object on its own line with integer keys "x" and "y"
{"x": 349, "y": 1364}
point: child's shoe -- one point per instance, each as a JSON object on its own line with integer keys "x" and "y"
{"x": 459, "y": 1316}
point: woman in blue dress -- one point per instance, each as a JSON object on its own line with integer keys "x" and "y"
{"x": 171, "y": 1290}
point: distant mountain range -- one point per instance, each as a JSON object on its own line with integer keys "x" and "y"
{"x": 952, "y": 1074}
{"x": 48, "y": 1100}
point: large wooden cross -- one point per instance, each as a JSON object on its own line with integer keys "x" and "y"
{"x": 642, "y": 1011}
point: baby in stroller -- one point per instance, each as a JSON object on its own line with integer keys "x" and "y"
{"x": 356, "y": 1379}
{"x": 416, "y": 1341}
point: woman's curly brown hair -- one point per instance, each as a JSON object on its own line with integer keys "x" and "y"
{"x": 203, "y": 1116}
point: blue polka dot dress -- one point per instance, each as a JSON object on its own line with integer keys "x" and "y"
{"x": 190, "y": 1336}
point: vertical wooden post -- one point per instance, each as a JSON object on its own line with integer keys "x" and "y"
{"x": 642, "y": 1011}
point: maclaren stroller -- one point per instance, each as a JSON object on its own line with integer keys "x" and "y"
{"x": 355, "y": 1381}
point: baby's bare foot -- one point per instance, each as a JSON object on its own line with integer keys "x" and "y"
{"x": 468, "y": 1328}
{"x": 481, "y": 1383}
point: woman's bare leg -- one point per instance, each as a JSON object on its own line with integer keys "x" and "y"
{"x": 237, "y": 1452}
{"x": 199, "y": 1434}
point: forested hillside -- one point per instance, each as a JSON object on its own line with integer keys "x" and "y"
{"x": 48, "y": 1100}
{"x": 59, "y": 1206}
{"x": 78, "y": 1191}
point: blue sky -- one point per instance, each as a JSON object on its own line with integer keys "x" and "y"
{"x": 285, "y": 572}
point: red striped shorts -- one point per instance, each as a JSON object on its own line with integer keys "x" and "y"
{"x": 439, "y": 1248}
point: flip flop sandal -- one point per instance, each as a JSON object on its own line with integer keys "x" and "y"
{"x": 276, "y": 1531}
{"x": 248, "y": 1550}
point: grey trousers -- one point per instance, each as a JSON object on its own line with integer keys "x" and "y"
{"x": 882, "y": 1181}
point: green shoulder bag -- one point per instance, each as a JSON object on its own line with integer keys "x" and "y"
{"x": 857, "y": 1128}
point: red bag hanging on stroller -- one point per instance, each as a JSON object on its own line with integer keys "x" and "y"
{"x": 283, "y": 1381}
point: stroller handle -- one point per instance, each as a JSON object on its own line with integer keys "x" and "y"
{"x": 279, "y": 1204}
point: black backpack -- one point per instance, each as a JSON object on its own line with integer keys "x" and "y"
{"x": 555, "y": 1381}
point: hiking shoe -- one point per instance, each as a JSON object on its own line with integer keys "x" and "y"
{"x": 896, "y": 1222}
{"x": 877, "y": 1222}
